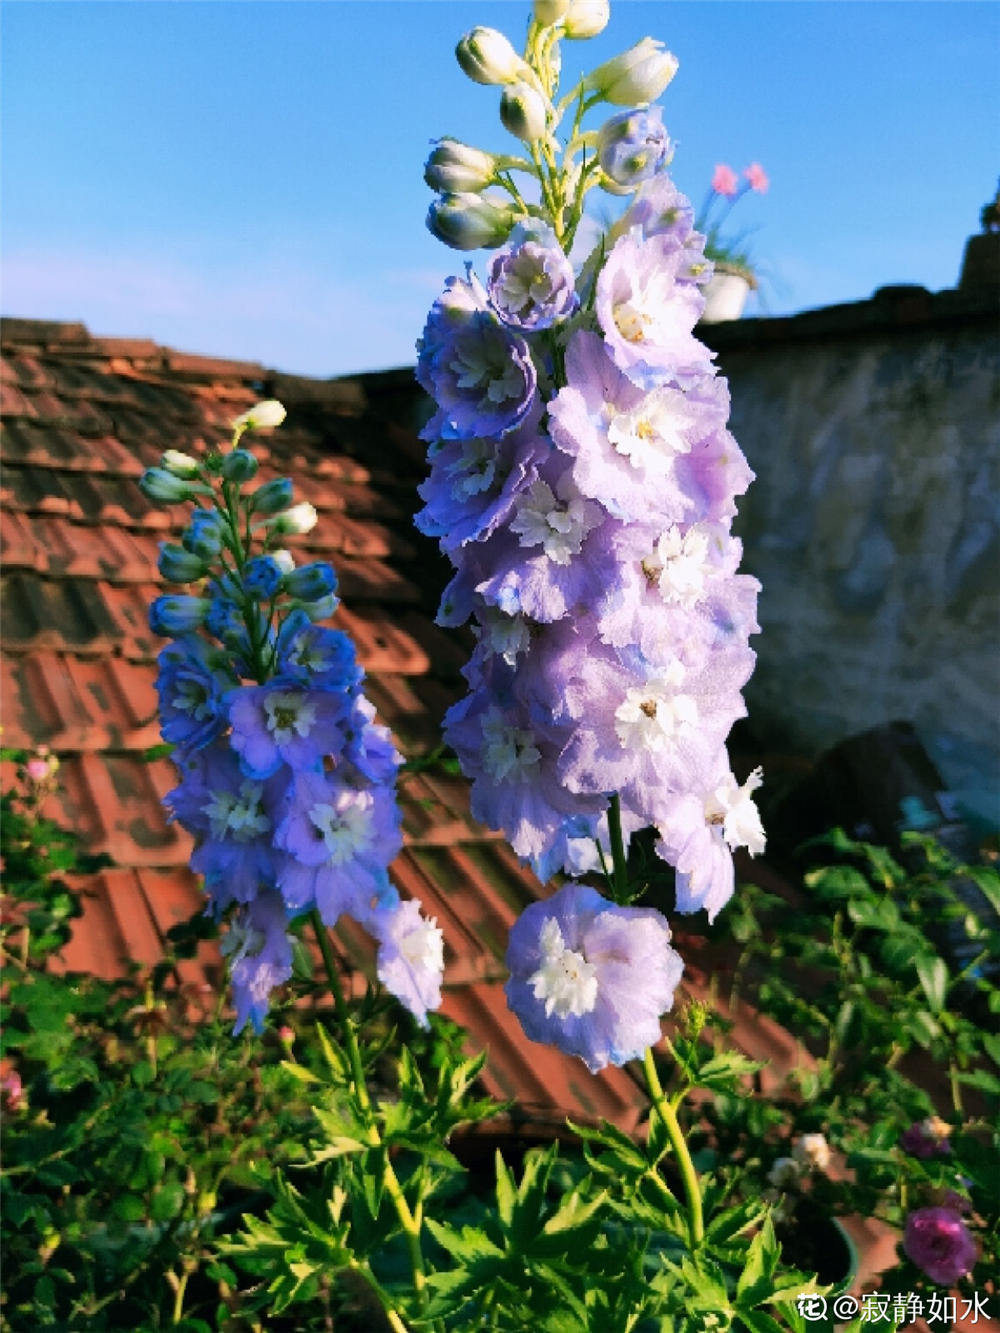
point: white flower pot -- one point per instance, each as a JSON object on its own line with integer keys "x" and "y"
{"x": 725, "y": 296}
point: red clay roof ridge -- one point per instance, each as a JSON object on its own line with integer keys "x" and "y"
{"x": 72, "y": 338}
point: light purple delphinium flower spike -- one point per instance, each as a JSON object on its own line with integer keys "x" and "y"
{"x": 475, "y": 483}
{"x": 591, "y": 978}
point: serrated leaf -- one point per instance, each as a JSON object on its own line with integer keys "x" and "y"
{"x": 505, "y": 1192}
{"x": 336, "y": 1060}
{"x": 469, "y": 1243}
{"x": 980, "y": 1078}
{"x": 762, "y": 1258}
{"x": 727, "y": 1225}
{"x": 724, "y": 1070}
{"x": 300, "y": 1072}
{"x": 922, "y": 1026}
{"x": 573, "y": 1213}
{"x": 758, "y": 1321}
{"x": 341, "y": 1133}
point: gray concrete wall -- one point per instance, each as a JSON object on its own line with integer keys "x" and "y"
{"x": 874, "y": 523}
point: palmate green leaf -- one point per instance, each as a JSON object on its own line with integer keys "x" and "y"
{"x": 705, "y": 1282}
{"x": 572, "y": 1229}
{"x": 529, "y": 1203}
{"x": 450, "y": 1291}
{"x": 991, "y": 1045}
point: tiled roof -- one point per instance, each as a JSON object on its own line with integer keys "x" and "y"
{"x": 83, "y": 417}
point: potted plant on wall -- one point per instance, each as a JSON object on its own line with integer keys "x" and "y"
{"x": 734, "y": 277}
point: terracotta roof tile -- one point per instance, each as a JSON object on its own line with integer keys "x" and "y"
{"x": 73, "y": 703}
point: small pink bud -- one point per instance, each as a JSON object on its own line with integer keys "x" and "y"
{"x": 286, "y": 1035}
{"x": 724, "y": 179}
{"x": 37, "y": 769}
{"x": 757, "y": 177}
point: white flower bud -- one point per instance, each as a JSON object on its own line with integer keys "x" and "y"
{"x": 300, "y": 518}
{"x": 523, "y": 111}
{"x": 261, "y": 416}
{"x": 454, "y": 167}
{"x": 488, "y": 57}
{"x": 635, "y": 77}
{"x": 284, "y": 560}
{"x": 812, "y": 1151}
{"x": 586, "y": 18}
{"x": 548, "y": 12}
{"x": 180, "y": 465}
{"x": 469, "y": 221}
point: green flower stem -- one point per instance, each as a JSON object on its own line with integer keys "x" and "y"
{"x": 666, "y": 1110}
{"x": 619, "y": 873}
{"x": 410, "y": 1225}
{"x": 689, "y": 1176}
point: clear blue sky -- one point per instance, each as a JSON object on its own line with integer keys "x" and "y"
{"x": 245, "y": 179}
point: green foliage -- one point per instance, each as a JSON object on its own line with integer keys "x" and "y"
{"x": 888, "y": 975}
{"x": 160, "y": 1174}
{"x": 129, "y": 1126}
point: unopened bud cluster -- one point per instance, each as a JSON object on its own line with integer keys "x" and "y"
{"x": 631, "y": 147}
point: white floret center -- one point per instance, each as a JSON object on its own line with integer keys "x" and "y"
{"x": 564, "y": 980}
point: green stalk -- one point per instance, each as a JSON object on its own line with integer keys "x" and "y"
{"x": 666, "y": 1110}
{"x": 410, "y": 1225}
{"x": 619, "y": 873}
{"x": 689, "y": 1176}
